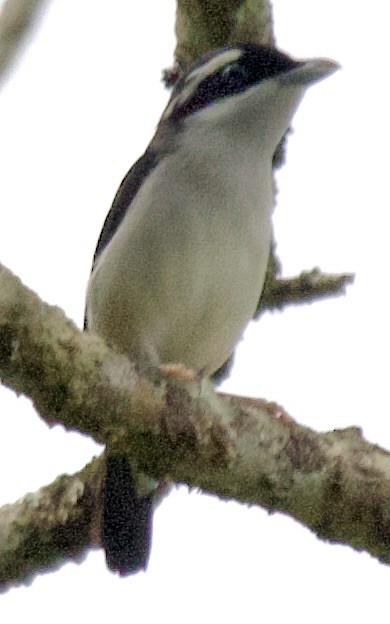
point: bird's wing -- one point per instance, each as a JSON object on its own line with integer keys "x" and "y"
{"x": 126, "y": 193}
{"x": 128, "y": 189}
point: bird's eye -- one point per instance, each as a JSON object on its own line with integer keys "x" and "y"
{"x": 234, "y": 72}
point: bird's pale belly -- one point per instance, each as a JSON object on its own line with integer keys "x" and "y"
{"x": 178, "y": 284}
{"x": 185, "y": 308}
{"x": 208, "y": 322}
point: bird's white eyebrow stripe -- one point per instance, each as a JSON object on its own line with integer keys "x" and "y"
{"x": 200, "y": 73}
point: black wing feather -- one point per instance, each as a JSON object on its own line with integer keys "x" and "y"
{"x": 126, "y": 193}
{"x": 128, "y": 189}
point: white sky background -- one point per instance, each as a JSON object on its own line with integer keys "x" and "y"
{"x": 77, "y": 112}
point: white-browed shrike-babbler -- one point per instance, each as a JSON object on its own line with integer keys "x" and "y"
{"x": 181, "y": 261}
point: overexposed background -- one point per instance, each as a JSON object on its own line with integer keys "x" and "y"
{"x": 78, "y": 110}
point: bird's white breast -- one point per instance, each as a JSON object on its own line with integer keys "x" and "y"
{"x": 181, "y": 277}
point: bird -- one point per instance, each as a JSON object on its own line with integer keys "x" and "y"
{"x": 181, "y": 260}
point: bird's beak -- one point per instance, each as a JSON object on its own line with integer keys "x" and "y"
{"x": 308, "y": 72}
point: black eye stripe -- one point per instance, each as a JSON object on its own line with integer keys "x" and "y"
{"x": 253, "y": 64}
{"x": 234, "y": 73}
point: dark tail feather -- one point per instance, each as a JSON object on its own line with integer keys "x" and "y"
{"x": 127, "y": 519}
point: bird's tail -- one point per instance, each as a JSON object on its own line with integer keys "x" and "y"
{"x": 127, "y": 519}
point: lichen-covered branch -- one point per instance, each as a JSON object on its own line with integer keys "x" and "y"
{"x": 335, "y": 483}
{"x": 17, "y": 17}
{"x": 55, "y": 525}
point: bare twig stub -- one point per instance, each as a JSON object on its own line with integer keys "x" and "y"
{"x": 307, "y": 287}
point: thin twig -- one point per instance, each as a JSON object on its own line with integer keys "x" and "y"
{"x": 17, "y": 18}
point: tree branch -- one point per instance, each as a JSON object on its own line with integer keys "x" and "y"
{"x": 205, "y": 24}
{"x": 247, "y": 449}
{"x": 17, "y": 17}
{"x": 307, "y": 287}
{"x": 53, "y": 526}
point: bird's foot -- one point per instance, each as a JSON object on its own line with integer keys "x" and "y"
{"x": 180, "y": 372}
